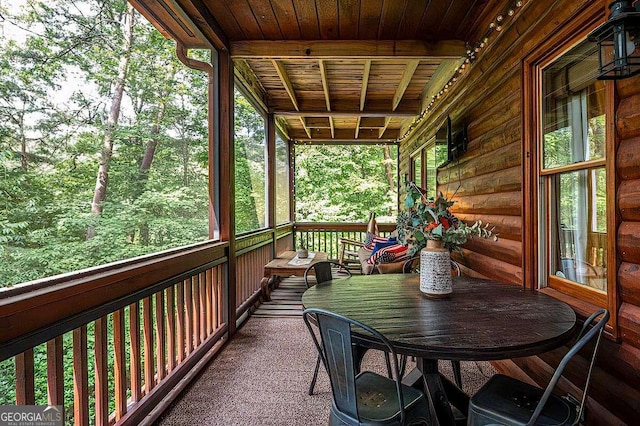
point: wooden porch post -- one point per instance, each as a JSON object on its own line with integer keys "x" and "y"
{"x": 227, "y": 179}
{"x": 271, "y": 179}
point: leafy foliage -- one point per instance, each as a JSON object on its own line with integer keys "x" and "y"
{"x": 431, "y": 219}
{"x": 344, "y": 183}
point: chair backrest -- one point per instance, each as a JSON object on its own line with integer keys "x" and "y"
{"x": 324, "y": 271}
{"x": 336, "y": 351}
{"x": 413, "y": 266}
{"x": 583, "y": 338}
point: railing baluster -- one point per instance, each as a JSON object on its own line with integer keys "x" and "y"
{"x": 147, "y": 337}
{"x": 171, "y": 329}
{"x": 55, "y": 371}
{"x": 188, "y": 303}
{"x": 160, "y": 349}
{"x": 119, "y": 363}
{"x": 195, "y": 294}
{"x": 80, "y": 377}
{"x": 134, "y": 336}
{"x": 101, "y": 372}
{"x": 181, "y": 321}
{"x": 203, "y": 306}
{"x": 209, "y": 298}
{"x": 25, "y": 388}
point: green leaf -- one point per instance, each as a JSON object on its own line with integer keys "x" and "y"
{"x": 408, "y": 202}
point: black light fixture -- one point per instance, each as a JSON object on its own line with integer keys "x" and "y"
{"x": 619, "y": 41}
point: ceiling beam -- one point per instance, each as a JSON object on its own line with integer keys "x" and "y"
{"x": 342, "y": 134}
{"x": 365, "y": 83}
{"x": 407, "y": 75}
{"x": 347, "y": 49}
{"x": 304, "y": 126}
{"x": 325, "y": 85}
{"x": 345, "y": 141}
{"x": 384, "y": 128}
{"x": 358, "y": 127}
{"x": 338, "y": 113}
{"x": 284, "y": 78}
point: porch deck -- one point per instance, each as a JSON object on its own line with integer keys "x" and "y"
{"x": 262, "y": 376}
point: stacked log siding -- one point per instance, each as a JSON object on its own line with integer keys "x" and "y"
{"x": 488, "y": 184}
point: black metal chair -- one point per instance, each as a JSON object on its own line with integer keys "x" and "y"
{"x": 364, "y": 398}
{"x": 323, "y": 271}
{"x": 412, "y": 266}
{"x": 508, "y": 401}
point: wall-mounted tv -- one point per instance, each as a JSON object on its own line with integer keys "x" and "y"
{"x": 457, "y": 140}
{"x": 451, "y": 142}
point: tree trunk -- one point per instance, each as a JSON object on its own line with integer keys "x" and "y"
{"x": 388, "y": 168}
{"x": 100, "y": 191}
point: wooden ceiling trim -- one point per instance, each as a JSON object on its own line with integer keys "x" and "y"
{"x": 247, "y": 78}
{"x": 365, "y": 83}
{"x": 219, "y": 37}
{"x": 348, "y": 49}
{"x": 333, "y": 127}
{"x": 284, "y": 78}
{"x": 438, "y": 80}
{"x": 358, "y": 127}
{"x": 171, "y": 20}
{"x": 407, "y": 75}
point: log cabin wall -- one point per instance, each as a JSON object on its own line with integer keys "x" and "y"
{"x": 488, "y": 185}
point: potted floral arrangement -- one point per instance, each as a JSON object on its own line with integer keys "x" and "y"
{"x": 427, "y": 226}
{"x": 431, "y": 219}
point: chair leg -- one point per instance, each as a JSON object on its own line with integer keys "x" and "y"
{"x": 388, "y": 361}
{"x": 457, "y": 375}
{"x": 315, "y": 376}
{"x": 403, "y": 365}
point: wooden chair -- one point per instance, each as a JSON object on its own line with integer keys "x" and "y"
{"x": 348, "y": 253}
{"x": 509, "y": 401}
{"x": 365, "y": 397}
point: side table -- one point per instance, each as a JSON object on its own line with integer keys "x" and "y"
{"x": 281, "y": 267}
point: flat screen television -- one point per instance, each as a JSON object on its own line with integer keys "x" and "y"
{"x": 456, "y": 141}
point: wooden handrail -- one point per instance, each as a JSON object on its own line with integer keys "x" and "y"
{"x": 341, "y": 226}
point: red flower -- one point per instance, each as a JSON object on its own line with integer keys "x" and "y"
{"x": 431, "y": 226}
{"x": 445, "y": 223}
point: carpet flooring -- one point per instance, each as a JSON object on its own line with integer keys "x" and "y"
{"x": 262, "y": 376}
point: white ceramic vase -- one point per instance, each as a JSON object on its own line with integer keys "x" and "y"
{"x": 435, "y": 270}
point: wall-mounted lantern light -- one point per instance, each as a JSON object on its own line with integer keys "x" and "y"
{"x": 619, "y": 41}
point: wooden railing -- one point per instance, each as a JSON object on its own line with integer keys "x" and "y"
{"x": 326, "y": 236}
{"x": 114, "y": 344}
{"x": 110, "y": 343}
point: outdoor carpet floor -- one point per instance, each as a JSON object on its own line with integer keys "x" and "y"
{"x": 262, "y": 377}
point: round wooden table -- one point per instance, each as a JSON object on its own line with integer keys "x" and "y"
{"x": 480, "y": 320}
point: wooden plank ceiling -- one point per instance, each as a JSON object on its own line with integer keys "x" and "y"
{"x": 332, "y": 70}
